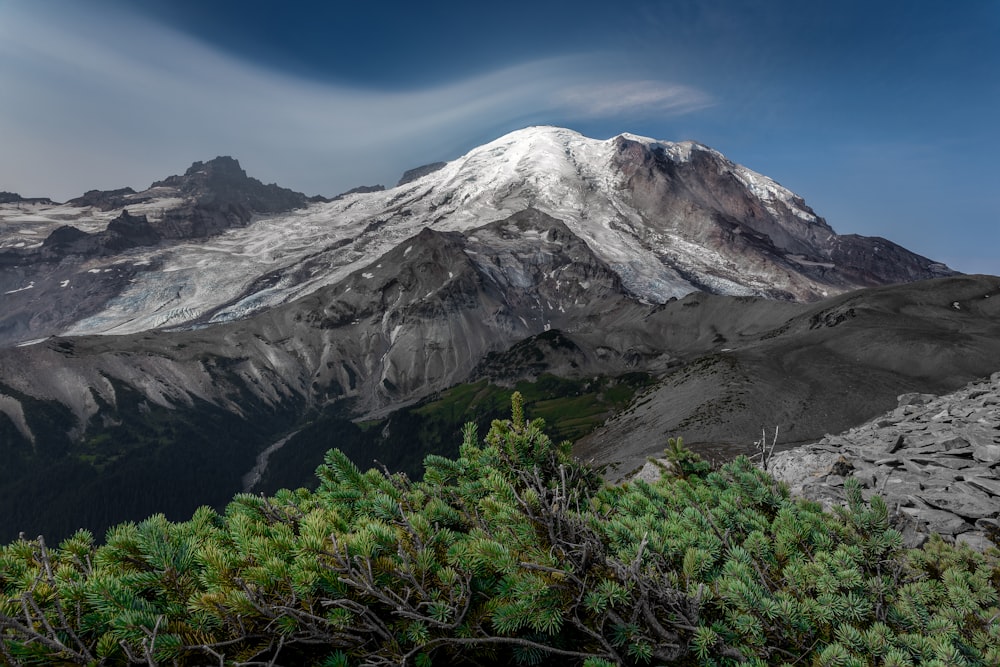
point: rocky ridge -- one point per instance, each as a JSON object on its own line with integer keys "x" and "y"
{"x": 15, "y": 198}
{"x": 934, "y": 459}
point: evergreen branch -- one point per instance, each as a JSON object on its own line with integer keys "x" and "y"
{"x": 498, "y": 641}
{"x": 64, "y": 623}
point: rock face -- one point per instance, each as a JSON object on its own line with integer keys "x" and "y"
{"x": 104, "y": 200}
{"x": 222, "y": 186}
{"x": 935, "y": 460}
{"x": 123, "y": 233}
{"x": 411, "y": 175}
{"x": 360, "y": 190}
{"x": 763, "y": 232}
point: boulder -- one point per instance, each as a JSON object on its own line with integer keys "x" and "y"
{"x": 975, "y": 540}
{"x": 937, "y": 521}
{"x": 653, "y": 469}
{"x": 914, "y": 399}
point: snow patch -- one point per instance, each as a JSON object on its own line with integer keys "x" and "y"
{"x": 800, "y": 259}
{"x": 22, "y": 289}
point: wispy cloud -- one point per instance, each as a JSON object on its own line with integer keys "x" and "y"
{"x": 631, "y": 98}
{"x": 98, "y": 102}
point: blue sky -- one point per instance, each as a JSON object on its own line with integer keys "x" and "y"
{"x": 883, "y": 115}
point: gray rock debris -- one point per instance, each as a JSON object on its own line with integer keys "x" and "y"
{"x": 935, "y": 460}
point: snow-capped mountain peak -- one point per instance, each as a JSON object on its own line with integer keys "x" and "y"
{"x": 668, "y": 218}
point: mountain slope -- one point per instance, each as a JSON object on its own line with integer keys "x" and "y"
{"x": 828, "y": 367}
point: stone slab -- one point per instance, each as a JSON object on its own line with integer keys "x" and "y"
{"x": 963, "y": 505}
{"x": 938, "y": 521}
{"x": 988, "y": 484}
{"x": 986, "y": 452}
{"x": 975, "y": 540}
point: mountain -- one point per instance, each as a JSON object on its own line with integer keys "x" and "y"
{"x": 163, "y": 346}
{"x": 668, "y": 218}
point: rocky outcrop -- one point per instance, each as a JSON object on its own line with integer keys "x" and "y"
{"x": 222, "y": 182}
{"x": 15, "y": 198}
{"x": 124, "y": 232}
{"x": 935, "y": 460}
{"x": 360, "y": 190}
{"x": 65, "y": 238}
{"x": 209, "y": 198}
{"x": 872, "y": 260}
{"x": 411, "y": 175}
{"x": 105, "y": 200}
{"x": 218, "y": 195}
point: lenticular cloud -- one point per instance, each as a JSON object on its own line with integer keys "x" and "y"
{"x": 603, "y": 100}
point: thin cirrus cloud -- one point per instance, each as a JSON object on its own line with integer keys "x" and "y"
{"x": 93, "y": 104}
{"x": 630, "y": 98}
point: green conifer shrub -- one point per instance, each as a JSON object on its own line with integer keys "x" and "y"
{"x": 510, "y": 553}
